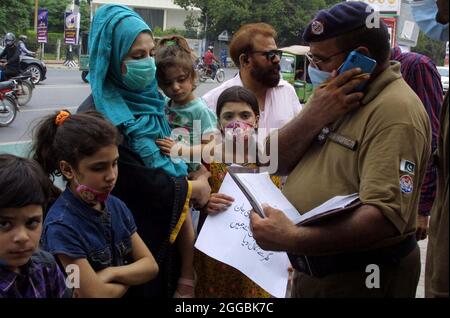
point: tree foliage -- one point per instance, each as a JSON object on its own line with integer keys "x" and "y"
{"x": 288, "y": 17}
{"x": 18, "y": 15}
{"x": 431, "y": 48}
{"x": 15, "y": 15}
{"x": 56, "y": 9}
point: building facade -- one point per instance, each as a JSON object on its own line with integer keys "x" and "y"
{"x": 163, "y": 14}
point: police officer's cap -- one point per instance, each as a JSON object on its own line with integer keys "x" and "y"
{"x": 340, "y": 19}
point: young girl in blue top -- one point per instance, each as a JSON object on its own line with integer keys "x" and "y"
{"x": 176, "y": 77}
{"x": 189, "y": 118}
{"x": 86, "y": 226}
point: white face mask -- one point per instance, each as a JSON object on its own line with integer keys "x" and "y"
{"x": 317, "y": 76}
{"x": 424, "y": 12}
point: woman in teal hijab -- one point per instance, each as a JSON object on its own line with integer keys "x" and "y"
{"x": 123, "y": 83}
{"x": 124, "y": 89}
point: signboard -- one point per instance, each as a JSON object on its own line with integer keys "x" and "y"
{"x": 391, "y": 24}
{"x": 42, "y": 26}
{"x": 71, "y": 27}
{"x": 407, "y": 29}
{"x": 224, "y": 36}
{"x": 384, "y": 6}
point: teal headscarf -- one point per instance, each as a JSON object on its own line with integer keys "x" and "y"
{"x": 139, "y": 115}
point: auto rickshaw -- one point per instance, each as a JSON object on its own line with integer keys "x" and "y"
{"x": 84, "y": 56}
{"x": 294, "y": 69}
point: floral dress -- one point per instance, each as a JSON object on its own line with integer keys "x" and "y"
{"x": 216, "y": 279}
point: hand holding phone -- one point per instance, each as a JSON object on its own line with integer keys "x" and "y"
{"x": 356, "y": 59}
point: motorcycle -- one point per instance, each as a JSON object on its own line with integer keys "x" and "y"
{"x": 204, "y": 72}
{"x": 8, "y": 103}
{"x": 23, "y": 88}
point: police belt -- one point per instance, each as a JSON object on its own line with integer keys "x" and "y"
{"x": 320, "y": 266}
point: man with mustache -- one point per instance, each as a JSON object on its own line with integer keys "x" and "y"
{"x": 379, "y": 150}
{"x": 254, "y": 50}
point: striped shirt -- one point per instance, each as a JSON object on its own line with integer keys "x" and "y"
{"x": 422, "y": 76}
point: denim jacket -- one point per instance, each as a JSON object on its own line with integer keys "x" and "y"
{"x": 77, "y": 230}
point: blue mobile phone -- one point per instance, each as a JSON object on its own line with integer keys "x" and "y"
{"x": 356, "y": 59}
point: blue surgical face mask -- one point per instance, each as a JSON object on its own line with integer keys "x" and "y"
{"x": 424, "y": 12}
{"x": 317, "y": 76}
{"x": 140, "y": 73}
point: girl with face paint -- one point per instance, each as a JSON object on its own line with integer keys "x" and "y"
{"x": 238, "y": 114}
{"x": 86, "y": 226}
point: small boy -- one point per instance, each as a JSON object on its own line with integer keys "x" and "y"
{"x": 25, "y": 270}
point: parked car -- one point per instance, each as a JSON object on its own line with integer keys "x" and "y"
{"x": 443, "y": 71}
{"x": 36, "y": 67}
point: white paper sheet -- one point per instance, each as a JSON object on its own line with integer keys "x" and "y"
{"x": 227, "y": 237}
{"x": 265, "y": 191}
{"x": 334, "y": 203}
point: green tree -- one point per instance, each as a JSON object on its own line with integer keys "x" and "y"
{"x": 288, "y": 17}
{"x": 56, "y": 9}
{"x": 431, "y": 48}
{"x": 191, "y": 24}
{"x": 15, "y": 15}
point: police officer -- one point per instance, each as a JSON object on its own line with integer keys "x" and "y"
{"x": 379, "y": 151}
{"x": 12, "y": 55}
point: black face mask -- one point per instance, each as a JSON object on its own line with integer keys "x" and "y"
{"x": 9, "y": 43}
{"x": 269, "y": 77}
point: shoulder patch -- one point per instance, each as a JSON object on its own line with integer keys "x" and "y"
{"x": 407, "y": 166}
{"x": 406, "y": 184}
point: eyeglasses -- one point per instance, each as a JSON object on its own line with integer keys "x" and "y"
{"x": 270, "y": 55}
{"x": 315, "y": 61}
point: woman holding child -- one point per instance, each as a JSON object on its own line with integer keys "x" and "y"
{"x": 157, "y": 190}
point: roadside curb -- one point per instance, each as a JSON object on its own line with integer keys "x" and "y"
{"x": 54, "y": 64}
{"x": 59, "y": 66}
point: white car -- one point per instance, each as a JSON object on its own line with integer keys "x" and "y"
{"x": 443, "y": 71}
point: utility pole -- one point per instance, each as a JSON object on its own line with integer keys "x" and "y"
{"x": 206, "y": 31}
{"x": 36, "y": 7}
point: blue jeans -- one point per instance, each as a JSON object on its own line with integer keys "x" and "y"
{"x": 213, "y": 70}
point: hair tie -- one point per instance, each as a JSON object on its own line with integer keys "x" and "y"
{"x": 171, "y": 43}
{"x": 61, "y": 117}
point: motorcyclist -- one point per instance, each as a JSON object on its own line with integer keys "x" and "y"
{"x": 23, "y": 48}
{"x": 11, "y": 53}
{"x": 209, "y": 59}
